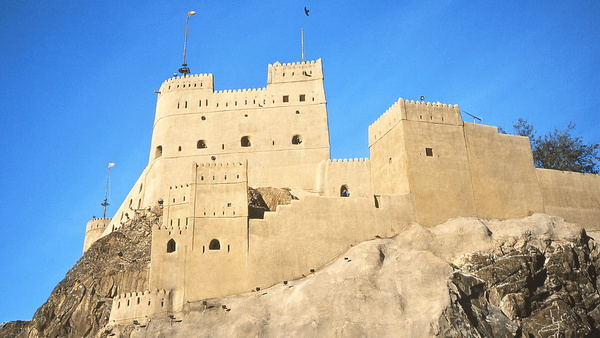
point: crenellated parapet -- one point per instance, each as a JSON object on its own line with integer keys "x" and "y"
{"x": 427, "y": 112}
{"x": 189, "y": 82}
{"x": 220, "y": 189}
{"x": 220, "y": 173}
{"x": 141, "y": 305}
{"x": 93, "y": 230}
{"x": 295, "y": 71}
{"x": 97, "y": 223}
{"x": 348, "y": 161}
{"x": 345, "y": 177}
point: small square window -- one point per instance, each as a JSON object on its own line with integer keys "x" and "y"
{"x": 302, "y": 98}
{"x": 429, "y": 151}
{"x": 286, "y": 98}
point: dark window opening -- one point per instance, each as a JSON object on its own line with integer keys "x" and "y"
{"x": 429, "y": 151}
{"x": 302, "y": 98}
{"x": 186, "y": 104}
{"x": 297, "y": 112}
{"x": 344, "y": 192}
{"x": 158, "y": 152}
{"x": 286, "y": 98}
{"x": 171, "y": 245}
{"x": 214, "y": 245}
{"x": 201, "y": 144}
{"x": 245, "y": 141}
{"x": 203, "y": 118}
{"x": 222, "y": 146}
{"x": 179, "y": 148}
{"x": 296, "y": 139}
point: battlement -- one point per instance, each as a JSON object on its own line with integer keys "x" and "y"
{"x": 295, "y": 71}
{"x": 190, "y": 82}
{"x": 418, "y": 111}
{"x": 219, "y": 172}
{"x": 138, "y": 305}
{"x": 97, "y": 223}
{"x": 348, "y": 160}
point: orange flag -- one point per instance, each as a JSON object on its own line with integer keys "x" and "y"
{"x": 191, "y": 13}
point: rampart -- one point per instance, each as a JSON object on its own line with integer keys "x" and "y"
{"x": 208, "y": 147}
{"x": 413, "y": 111}
{"x": 345, "y": 177}
{"x": 94, "y": 230}
{"x": 141, "y": 306}
{"x": 572, "y": 196}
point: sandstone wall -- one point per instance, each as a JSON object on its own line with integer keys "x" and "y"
{"x": 281, "y": 130}
{"x": 94, "y": 230}
{"x": 572, "y": 196}
{"x": 502, "y": 173}
{"x": 308, "y": 233}
{"x": 419, "y": 148}
{"x": 353, "y": 175}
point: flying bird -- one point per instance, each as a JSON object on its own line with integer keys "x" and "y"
{"x": 306, "y": 11}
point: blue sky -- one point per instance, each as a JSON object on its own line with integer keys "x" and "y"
{"x": 79, "y": 79}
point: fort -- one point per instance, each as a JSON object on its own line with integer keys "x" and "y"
{"x": 209, "y": 148}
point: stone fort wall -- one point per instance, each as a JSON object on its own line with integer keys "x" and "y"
{"x": 426, "y": 166}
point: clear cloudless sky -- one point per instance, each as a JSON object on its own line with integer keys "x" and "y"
{"x": 78, "y": 81}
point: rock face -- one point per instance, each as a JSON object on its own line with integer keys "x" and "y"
{"x": 528, "y": 287}
{"x": 531, "y": 277}
{"x": 265, "y": 199}
{"x": 80, "y": 304}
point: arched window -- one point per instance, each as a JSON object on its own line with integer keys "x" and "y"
{"x": 214, "y": 245}
{"x": 344, "y": 192}
{"x": 296, "y": 139}
{"x": 246, "y": 141}
{"x": 171, "y": 245}
{"x": 158, "y": 152}
{"x": 201, "y": 144}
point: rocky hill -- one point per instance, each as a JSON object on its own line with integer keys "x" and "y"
{"x": 530, "y": 277}
{"x": 79, "y": 306}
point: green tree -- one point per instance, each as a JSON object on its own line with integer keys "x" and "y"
{"x": 559, "y": 149}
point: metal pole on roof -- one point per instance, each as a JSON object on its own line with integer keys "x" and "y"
{"x": 105, "y": 203}
{"x": 184, "y": 68}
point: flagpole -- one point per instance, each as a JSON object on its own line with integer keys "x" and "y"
{"x": 302, "y": 44}
{"x": 105, "y": 204}
{"x": 184, "y": 68}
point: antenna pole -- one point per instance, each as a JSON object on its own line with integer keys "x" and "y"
{"x": 302, "y": 44}
{"x": 105, "y": 204}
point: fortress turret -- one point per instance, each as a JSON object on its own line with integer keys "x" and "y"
{"x": 94, "y": 230}
{"x": 281, "y": 129}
